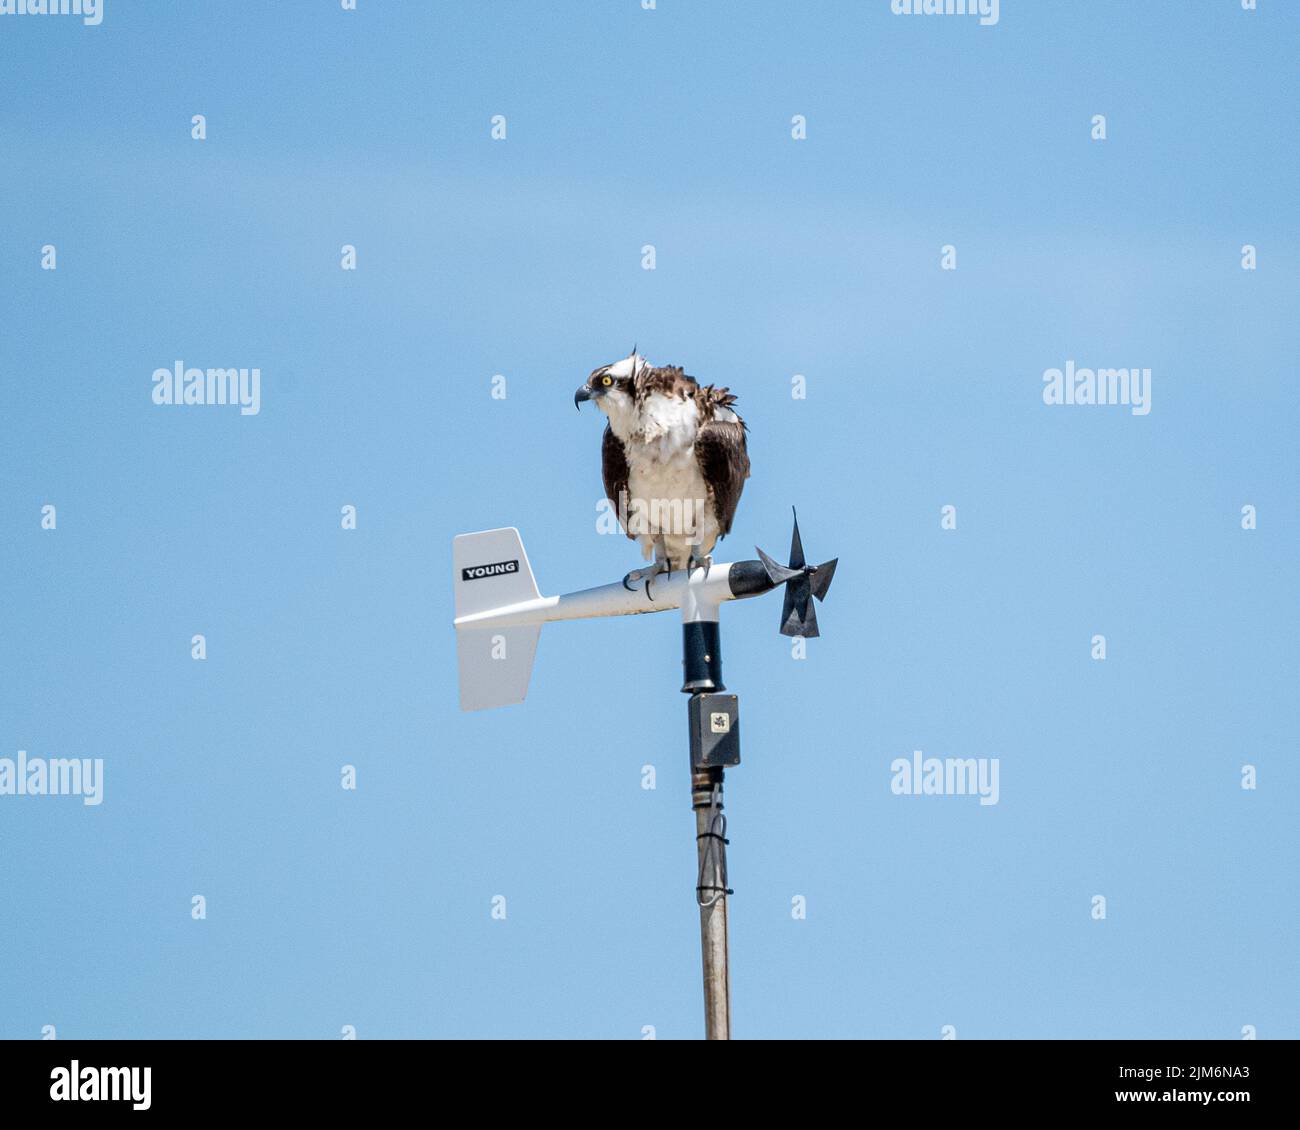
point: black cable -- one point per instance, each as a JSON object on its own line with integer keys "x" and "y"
{"x": 714, "y": 859}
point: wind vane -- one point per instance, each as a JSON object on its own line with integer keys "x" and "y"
{"x": 500, "y": 613}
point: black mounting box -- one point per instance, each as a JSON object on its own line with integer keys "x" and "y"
{"x": 715, "y": 730}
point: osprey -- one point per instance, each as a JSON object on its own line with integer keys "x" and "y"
{"x": 673, "y": 459}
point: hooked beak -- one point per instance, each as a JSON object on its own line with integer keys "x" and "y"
{"x": 583, "y": 393}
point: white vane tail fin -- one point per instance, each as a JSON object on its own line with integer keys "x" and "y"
{"x": 491, "y": 571}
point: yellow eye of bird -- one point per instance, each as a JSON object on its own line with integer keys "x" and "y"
{"x": 607, "y": 381}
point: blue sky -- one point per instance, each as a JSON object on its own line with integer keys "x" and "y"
{"x": 775, "y": 257}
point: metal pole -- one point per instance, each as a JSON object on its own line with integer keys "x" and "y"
{"x": 714, "y": 744}
{"x": 706, "y": 799}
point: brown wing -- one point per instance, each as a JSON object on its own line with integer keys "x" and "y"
{"x": 724, "y": 462}
{"x": 613, "y": 469}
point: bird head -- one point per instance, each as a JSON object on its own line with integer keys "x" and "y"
{"x": 610, "y": 386}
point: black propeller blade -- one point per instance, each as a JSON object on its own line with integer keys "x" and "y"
{"x": 802, "y": 582}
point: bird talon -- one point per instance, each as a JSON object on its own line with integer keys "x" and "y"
{"x": 647, "y": 575}
{"x": 665, "y": 570}
{"x": 701, "y": 561}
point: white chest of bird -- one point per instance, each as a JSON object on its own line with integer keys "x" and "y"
{"x": 667, "y": 489}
